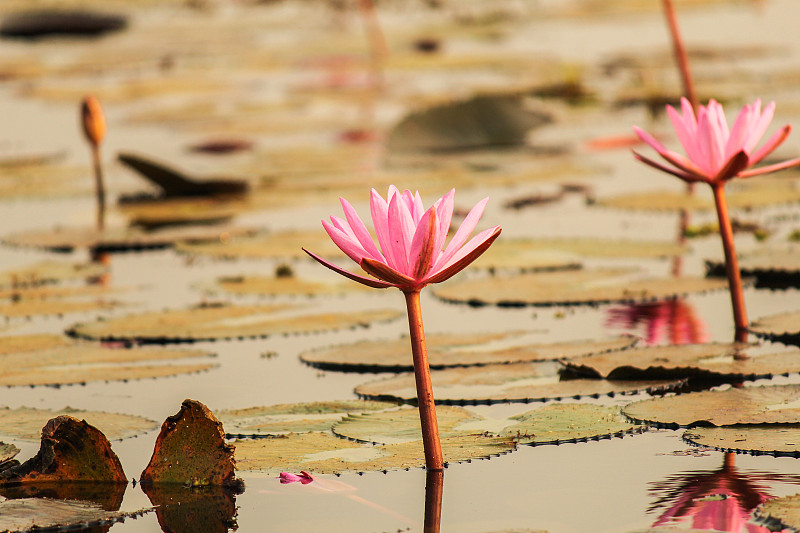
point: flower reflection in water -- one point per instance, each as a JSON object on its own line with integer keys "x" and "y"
{"x": 673, "y": 321}
{"x": 719, "y": 500}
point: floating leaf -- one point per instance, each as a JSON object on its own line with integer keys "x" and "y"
{"x": 280, "y": 286}
{"x": 783, "y": 327}
{"x": 7, "y": 453}
{"x": 50, "y": 300}
{"x": 119, "y": 239}
{"x": 772, "y": 266}
{"x": 728, "y": 361}
{"x": 25, "y": 423}
{"x": 218, "y": 322}
{"x": 108, "y": 495}
{"x": 572, "y": 287}
{"x": 548, "y": 424}
{"x": 71, "y": 450}
{"x": 32, "y": 514}
{"x": 297, "y": 417}
{"x": 191, "y": 450}
{"x": 403, "y": 425}
{"x": 55, "y": 360}
{"x": 320, "y": 453}
{"x": 160, "y": 213}
{"x": 49, "y": 272}
{"x": 749, "y": 405}
{"x": 284, "y": 245}
{"x": 776, "y": 440}
{"x": 517, "y": 382}
{"x": 445, "y": 350}
{"x": 780, "y": 513}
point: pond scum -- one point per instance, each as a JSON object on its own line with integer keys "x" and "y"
{"x": 229, "y": 129}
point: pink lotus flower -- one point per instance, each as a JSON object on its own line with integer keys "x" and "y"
{"x": 303, "y": 477}
{"x": 715, "y": 153}
{"x": 411, "y": 240}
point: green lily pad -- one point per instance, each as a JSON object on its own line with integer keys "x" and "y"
{"x": 572, "y": 287}
{"x": 548, "y": 424}
{"x": 445, "y": 350}
{"x": 718, "y": 361}
{"x": 778, "y": 440}
{"x": 119, "y": 239}
{"x": 516, "y": 382}
{"x": 26, "y": 423}
{"x": 321, "y": 453}
{"x": 33, "y": 514}
{"x": 780, "y": 513}
{"x": 219, "y": 322}
{"x": 783, "y": 327}
{"x": 296, "y": 418}
{"x": 283, "y": 245}
{"x": 53, "y": 360}
{"x": 748, "y": 405}
{"x": 49, "y": 272}
{"x": 280, "y": 286}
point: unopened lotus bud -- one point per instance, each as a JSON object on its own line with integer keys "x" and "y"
{"x": 94, "y": 121}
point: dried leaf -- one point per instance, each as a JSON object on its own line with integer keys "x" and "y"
{"x": 748, "y": 405}
{"x": 445, "y": 350}
{"x": 572, "y": 287}
{"x": 217, "y": 322}
{"x": 517, "y": 382}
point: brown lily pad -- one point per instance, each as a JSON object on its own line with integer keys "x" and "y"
{"x": 517, "y": 382}
{"x": 55, "y": 360}
{"x": 35, "y": 514}
{"x": 780, "y": 513}
{"x": 446, "y": 350}
{"x": 715, "y": 361}
{"x": 783, "y": 327}
{"x": 108, "y": 495}
{"x": 182, "y": 509}
{"x": 71, "y": 450}
{"x": 572, "y": 287}
{"x": 218, "y": 322}
{"x": 282, "y": 245}
{"x": 777, "y": 440}
{"x": 295, "y": 418}
{"x": 25, "y": 423}
{"x": 748, "y": 405}
{"x": 773, "y": 266}
{"x": 191, "y": 450}
{"x": 403, "y": 425}
{"x": 119, "y": 239}
{"x": 279, "y": 286}
{"x": 49, "y": 272}
{"x": 163, "y": 212}
{"x": 47, "y": 300}
{"x": 7, "y": 454}
{"x": 321, "y": 453}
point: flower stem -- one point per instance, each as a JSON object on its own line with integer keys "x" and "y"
{"x": 422, "y": 374}
{"x": 731, "y": 263}
{"x": 99, "y": 187}
{"x": 434, "y": 485}
{"x": 680, "y": 53}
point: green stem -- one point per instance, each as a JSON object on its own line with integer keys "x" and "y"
{"x": 731, "y": 263}
{"x": 422, "y": 374}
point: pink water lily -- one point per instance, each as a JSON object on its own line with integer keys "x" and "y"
{"x": 411, "y": 239}
{"x": 303, "y": 477}
{"x": 716, "y": 153}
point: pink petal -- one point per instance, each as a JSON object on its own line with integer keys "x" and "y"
{"x": 462, "y": 234}
{"x": 689, "y": 178}
{"x": 380, "y": 220}
{"x": 776, "y": 140}
{"x": 760, "y": 127}
{"x": 740, "y": 131}
{"x": 388, "y": 274}
{"x": 476, "y": 246}
{"x": 732, "y": 167}
{"x": 345, "y": 242}
{"x": 685, "y": 127}
{"x": 444, "y": 213}
{"x": 709, "y": 138}
{"x": 769, "y": 168}
{"x": 369, "y": 282}
{"x": 423, "y": 245}
{"x": 360, "y": 230}
{"x": 399, "y": 227}
{"x": 672, "y": 157}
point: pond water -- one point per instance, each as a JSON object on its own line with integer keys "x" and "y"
{"x": 272, "y": 58}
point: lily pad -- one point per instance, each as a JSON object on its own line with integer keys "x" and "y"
{"x": 7, "y": 453}
{"x": 573, "y": 287}
{"x": 783, "y": 327}
{"x": 279, "y": 286}
{"x": 49, "y": 272}
{"x": 54, "y": 300}
{"x": 54, "y": 360}
{"x": 219, "y": 322}
{"x": 321, "y": 453}
{"x": 780, "y": 513}
{"x": 774, "y": 266}
{"x": 161, "y": 212}
{"x": 33, "y": 514}
{"x": 119, "y": 239}
{"x": 778, "y": 440}
{"x": 283, "y": 245}
{"x": 445, "y": 350}
{"x": 548, "y": 424}
{"x": 517, "y": 382}
{"x": 296, "y": 418}
{"x": 717, "y": 361}
{"x": 748, "y": 405}
{"x": 25, "y": 423}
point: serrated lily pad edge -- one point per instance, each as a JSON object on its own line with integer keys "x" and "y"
{"x": 686, "y": 437}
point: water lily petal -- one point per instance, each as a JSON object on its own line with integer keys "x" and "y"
{"x": 444, "y": 214}
{"x": 476, "y": 246}
{"x": 689, "y": 178}
{"x": 735, "y": 164}
{"x": 423, "y": 246}
{"x": 388, "y": 274}
{"x": 462, "y": 234}
{"x": 380, "y": 220}
{"x": 769, "y": 168}
{"x": 345, "y": 242}
{"x": 776, "y": 140}
{"x": 360, "y": 231}
{"x": 675, "y": 158}
{"x": 400, "y": 225}
{"x": 369, "y": 282}
{"x": 760, "y": 126}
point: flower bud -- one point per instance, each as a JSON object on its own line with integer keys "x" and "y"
{"x": 94, "y": 121}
